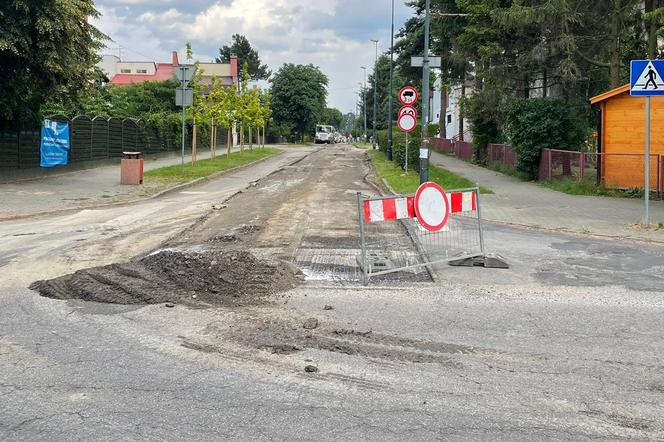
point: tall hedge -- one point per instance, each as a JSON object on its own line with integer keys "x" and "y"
{"x": 541, "y": 123}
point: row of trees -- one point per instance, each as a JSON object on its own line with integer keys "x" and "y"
{"x": 501, "y": 52}
{"x": 48, "y": 67}
{"x": 218, "y": 105}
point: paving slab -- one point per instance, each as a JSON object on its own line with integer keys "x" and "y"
{"x": 528, "y": 204}
{"x": 81, "y": 189}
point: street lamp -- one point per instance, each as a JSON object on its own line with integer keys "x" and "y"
{"x": 364, "y": 96}
{"x": 391, "y": 91}
{"x": 375, "y": 90}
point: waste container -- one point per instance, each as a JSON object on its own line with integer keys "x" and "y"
{"x": 131, "y": 168}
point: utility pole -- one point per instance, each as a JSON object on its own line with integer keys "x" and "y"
{"x": 424, "y": 151}
{"x": 364, "y": 95}
{"x": 375, "y": 91}
{"x": 391, "y": 91}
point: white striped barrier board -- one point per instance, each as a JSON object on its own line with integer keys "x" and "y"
{"x": 403, "y": 207}
{"x": 427, "y": 237}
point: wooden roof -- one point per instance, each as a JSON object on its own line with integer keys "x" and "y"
{"x": 609, "y": 94}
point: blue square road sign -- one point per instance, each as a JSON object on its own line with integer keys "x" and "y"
{"x": 646, "y": 78}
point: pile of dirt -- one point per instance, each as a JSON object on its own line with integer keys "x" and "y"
{"x": 192, "y": 278}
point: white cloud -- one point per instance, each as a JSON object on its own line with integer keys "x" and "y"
{"x": 283, "y": 31}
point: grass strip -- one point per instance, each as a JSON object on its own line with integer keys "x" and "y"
{"x": 403, "y": 182}
{"x": 204, "y": 168}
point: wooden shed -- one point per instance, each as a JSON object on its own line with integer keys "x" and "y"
{"x": 622, "y": 138}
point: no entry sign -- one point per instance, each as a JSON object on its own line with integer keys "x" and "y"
{"x": 432, "y": 207}
{"x": 407, "y": 123}
{"x": 408, "y": 96}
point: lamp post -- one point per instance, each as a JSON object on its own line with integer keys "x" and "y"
{"x": 375, "y": 91}
{"x": 391, "y": 91}
{"x": 424, "y": 154}
{"x": 364, "y": 96}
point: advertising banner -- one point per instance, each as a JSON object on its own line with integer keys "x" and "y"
{"x": 54, "y": 143}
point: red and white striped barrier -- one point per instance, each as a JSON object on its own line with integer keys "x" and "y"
{"x": 391, "y": 209}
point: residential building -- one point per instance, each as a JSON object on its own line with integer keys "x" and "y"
{"x": 122, "y": 72}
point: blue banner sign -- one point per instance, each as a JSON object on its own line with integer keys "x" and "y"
{"x": 54, "y": 143}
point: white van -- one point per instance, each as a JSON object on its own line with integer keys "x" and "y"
{"x": 324, "y": 134}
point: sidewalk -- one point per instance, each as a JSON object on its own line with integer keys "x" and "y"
{"x": 82, "y": 189}
{"x": 528, "y": 204}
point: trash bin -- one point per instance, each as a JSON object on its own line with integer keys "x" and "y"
{"x": 131, "y": 168}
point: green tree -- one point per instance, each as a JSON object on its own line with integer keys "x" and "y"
{"x": 539, "y": 123}
{"x": 299, "y": 95}
{"x": 47, "y": 49}
{"x": 245, "y": 54}
{"x": 332, "y": 117}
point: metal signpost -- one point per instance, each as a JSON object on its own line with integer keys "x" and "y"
{"x": 184, "y": 96}
{"x": 646, "y": 81}
{"x": 407, "y": 121}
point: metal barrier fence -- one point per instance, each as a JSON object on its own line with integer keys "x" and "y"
{"x": 393, "y": 241}
{"x": 464, "y": 150}
{"x": 615, "y": 170}
{"x": 100, "y": 138}
{"x": 503, "y": 154}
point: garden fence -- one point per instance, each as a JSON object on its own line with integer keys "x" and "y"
{"x": 101, "y": 138}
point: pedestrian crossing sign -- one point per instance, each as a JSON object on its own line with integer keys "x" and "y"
{"x": 645, "y": 78}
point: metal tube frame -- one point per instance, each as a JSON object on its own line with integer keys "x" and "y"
{"x": 362, "y": 261}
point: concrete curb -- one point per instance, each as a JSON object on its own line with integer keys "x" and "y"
{"x": 159, "y": 194}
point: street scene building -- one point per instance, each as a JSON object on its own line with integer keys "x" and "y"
{"x": 294, "y": 220}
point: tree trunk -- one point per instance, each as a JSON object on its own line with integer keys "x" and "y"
{"x": 442, "y": 122}
{"x": 463, "y": 94}
{"x": 212, "y": 142}
{"x": 229, "y": 142}
{"x": 651, "y": 29}
{"x": 193, "y": 143}
{"x": 614, "y": 38}
{"x": 241, "y": 138}
{"x": 251, "y": 139}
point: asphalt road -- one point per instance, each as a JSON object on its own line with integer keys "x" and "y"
{"x": 567, "y": 344}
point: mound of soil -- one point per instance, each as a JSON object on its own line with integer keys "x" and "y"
{"x": 193, "y": 278}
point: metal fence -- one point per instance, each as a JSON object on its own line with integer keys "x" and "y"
{"x": 403, "y": 248}
{"x": 101, "y": 138}
{"x": 503, "y": 154}
{"x": 614, "y": 170}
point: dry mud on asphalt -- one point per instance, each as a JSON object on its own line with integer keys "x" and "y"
{"x": 194, "y": 278}
{"x": 301, "y": 217}
{"x": 305, "y": 214}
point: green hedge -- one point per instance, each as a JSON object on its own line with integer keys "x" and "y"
{"x": 538, "y": 123}
{"x": 399, "y": 145}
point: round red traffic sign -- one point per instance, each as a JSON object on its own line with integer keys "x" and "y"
{"x": 432, "y": 207}
{"x": 410, "y": 110}
{"x": 408, "y": 96}
{"x": 407, "y": 123}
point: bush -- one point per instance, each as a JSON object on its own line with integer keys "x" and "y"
{"x": 483, "y": 110}
{"x": 538, "y": 123}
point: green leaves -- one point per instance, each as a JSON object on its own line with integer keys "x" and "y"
{"x": 299, "y": 94}
{"x": 48, "y": 49}
{"x": 539, "y": 123}
{"x": 245, "y": 54}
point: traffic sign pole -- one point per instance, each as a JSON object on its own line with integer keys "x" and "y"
{"x": 646, "y": 219}
{"x": 645, "y": 81}
{"x": 424, "y": 159}
{"x": 406, "y": 152}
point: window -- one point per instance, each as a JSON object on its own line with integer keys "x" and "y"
{"x": 141, "y": 71}
{"x": 449, "y": 119}
{"x": 125, "y": 71}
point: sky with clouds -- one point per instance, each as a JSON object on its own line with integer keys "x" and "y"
{"x": 332, "y": 34}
